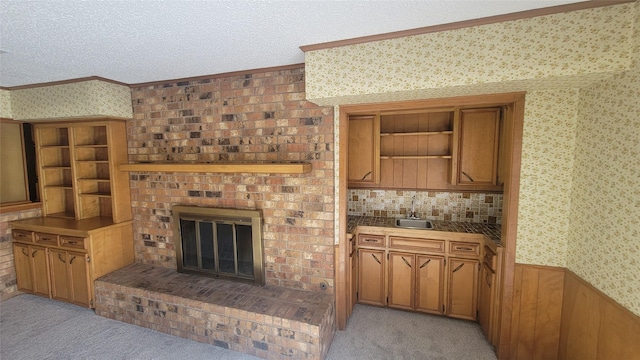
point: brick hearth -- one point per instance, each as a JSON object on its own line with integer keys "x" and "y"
{"x": 270, "y": 322}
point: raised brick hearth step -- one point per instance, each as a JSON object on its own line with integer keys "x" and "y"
{"x": 269, "y": 322}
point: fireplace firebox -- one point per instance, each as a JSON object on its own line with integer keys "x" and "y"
{"x": 218, "y": 242}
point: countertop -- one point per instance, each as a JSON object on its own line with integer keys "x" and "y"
{"x": 490, "y": 230}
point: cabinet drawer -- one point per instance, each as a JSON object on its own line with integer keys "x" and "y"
{"x": 22, "y": 235}
{"x": 462, "y": 248}
{"x": 73, "y": 242}
{"x": 46, "y": 239}
{"x": 428, "y": 245}
{"x": 371, "y": 240}
{"x": 489, "y": 258}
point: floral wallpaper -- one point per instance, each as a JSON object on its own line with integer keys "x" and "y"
{"x": 604, "y": 241}
{"x": 5, "y": 104}
{"x": 81, "y": 99}
{"x": 562, "y": 45}
{"x": 546, "y": 176}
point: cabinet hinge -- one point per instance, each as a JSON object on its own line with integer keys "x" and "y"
{"x": 387, "y": 300}
{"x": 387, "y": 256}
{"x": 88, "y": 259}
{"x": 357, "y": 296}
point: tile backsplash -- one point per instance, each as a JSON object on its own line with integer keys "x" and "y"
{"x": 449, "y": 206}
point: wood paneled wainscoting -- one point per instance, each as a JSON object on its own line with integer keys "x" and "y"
{"x": 557, "y": 315}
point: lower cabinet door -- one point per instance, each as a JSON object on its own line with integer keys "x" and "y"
{"x": 401, "y": 280}
{"x": 429, "y": 284}
{"x": 60, "y": 284}
{"x": 70, "y": 277}
{"x": 79, "y": 274}
{"x": 22, "y": 260}
{"x": 40, "y": 274}
{"x": 371, "y": 270}
{"x": 485, "y": 300}
{"x": 463, "y": 285}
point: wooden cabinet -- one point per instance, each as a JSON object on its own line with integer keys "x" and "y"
{"x": 60, "y": 258}
{"x": 479, "y": 140}
{"x": 371, "y": 271}
{"x": 77, "y": 164}
{"x": 416, "y": 149}
{"x": 485, "y": 299}
{"x": 364, "y": 147}
{"x": 463, "y": 285}
{"x": 488, "y": 297}
{"x": 32, "y": 265}
{"x": 431, "y": 149}
{"x": 402, "y": 278}
{"x": 69, "y": 276}
{"x": 430, "y": 284}
{"x": 416, "y": 282}
{"x": 22, "y": 260}
{"x": 436, "y": 276}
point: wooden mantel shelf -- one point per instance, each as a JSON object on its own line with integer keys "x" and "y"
{"x": 240, "y": 167}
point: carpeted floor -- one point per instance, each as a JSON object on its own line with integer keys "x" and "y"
{"x": 32, "y": 327}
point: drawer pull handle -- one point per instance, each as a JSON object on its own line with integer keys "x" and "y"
{"x": 425, "y": 263}
{"x": 72, "y": 258}
{"x": 376, "y": 259}
{"x": 464, "y": 248}
{"x": 371, "y": 240}
{"x": 405, "y": 261}
{"x": 61, "y": 259}
{"x": 24, "y": 252}
{"x": 458, "y": 268}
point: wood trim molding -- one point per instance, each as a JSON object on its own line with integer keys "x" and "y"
{"x": 159, "y": 82}
{"x": 9, "y": 208}
{"x": 464, "y": 24}
{"x": 63, "y": 82}
{"x": 513, "y": 151}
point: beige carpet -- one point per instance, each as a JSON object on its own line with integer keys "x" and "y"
{"x": 32, "y": 327}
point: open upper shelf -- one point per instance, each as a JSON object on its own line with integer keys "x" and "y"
{"x": 238, "y": 167}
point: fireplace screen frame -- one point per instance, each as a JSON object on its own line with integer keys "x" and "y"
{"x": 251, "y": 218}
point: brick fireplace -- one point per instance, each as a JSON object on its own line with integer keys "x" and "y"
{"x": 258, "y": 116}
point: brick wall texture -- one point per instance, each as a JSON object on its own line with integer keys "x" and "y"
{"x": 8, "y": 286}
{"x": 262, "y": 116}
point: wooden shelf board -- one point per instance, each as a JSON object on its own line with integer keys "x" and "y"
{"x": 422, "y": 133}
{"x": 416, "y": 157}
{"x": 95, "y": 180}
{"x": 67, "y": 187}
{"x": 103, "y": 195}
{"x": 245, "y": 167}
{"x": 92, "y": 146}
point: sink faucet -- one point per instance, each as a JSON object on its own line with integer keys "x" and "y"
{"x": 412, "y": 213}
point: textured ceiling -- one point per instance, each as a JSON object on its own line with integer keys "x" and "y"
{"x": 139, "y": 41}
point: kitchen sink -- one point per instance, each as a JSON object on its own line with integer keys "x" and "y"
{"x": 414, "y": 224}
